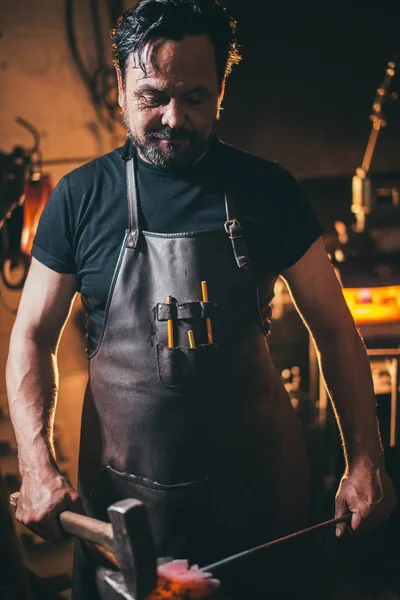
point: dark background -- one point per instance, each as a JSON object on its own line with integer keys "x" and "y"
{"x": 303, "y": 92}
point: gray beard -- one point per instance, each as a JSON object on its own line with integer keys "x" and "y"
{"x": 171, "y": 157}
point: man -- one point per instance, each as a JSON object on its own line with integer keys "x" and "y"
{"x": 197, "y": 425}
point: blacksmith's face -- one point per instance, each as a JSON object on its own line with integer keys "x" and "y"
{"x": 170, "y": 107}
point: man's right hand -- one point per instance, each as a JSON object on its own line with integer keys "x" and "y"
{"x": 43, "y": 496}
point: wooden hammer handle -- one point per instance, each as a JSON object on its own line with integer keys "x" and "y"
{"x": 86, "y": 528}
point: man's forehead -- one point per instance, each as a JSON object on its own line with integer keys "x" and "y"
{"x": 184, "y": 58}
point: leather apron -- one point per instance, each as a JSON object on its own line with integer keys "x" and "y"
{"x": 206, "y": 437}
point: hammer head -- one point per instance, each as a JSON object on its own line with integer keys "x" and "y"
{"x": 134, "y": 546}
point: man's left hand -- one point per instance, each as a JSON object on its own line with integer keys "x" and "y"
{"x": 368, "y": 493}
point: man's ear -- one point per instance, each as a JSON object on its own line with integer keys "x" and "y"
{"x": 121, "y": 93}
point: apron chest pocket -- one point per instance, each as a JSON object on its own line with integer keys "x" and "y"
{"x": 182, "y": 367}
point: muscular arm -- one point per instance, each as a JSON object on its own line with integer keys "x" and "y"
{"x": 317, "y": 295}
{"x": 32, "y": 381}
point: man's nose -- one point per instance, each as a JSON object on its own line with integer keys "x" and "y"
{"x": 174, "y": 114}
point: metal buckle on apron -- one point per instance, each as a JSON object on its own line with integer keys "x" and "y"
{"x": 231, "y": 225}
{"x": 234, "y": 230}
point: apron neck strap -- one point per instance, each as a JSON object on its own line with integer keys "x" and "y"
{"x": 232, "y": 226}
{"x": 133, "y": 222}
{"x": 235, "y": 232}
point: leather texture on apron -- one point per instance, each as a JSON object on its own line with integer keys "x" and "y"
{"x": 205, "y": 437}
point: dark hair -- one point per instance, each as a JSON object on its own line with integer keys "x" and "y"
{"x": 173, "y": 19}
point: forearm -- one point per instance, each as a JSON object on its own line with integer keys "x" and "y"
{"x": 347, "y": 374}
{"x": 32, "y": 381}
{"x": 365, "y": 489}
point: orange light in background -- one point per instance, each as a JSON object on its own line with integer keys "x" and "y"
{"x": 37, "y": 192}
{"x": 374, "y": 305}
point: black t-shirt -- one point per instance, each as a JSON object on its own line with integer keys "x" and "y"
{"x": 83, "y": 224}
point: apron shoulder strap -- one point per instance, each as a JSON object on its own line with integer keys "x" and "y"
{"x": 235, "y": 232}
{"x": 133, "y": 222}
{"x": 232, "y": 226}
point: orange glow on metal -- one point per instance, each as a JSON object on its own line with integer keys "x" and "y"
{"x": 177, "y": 581}
{"x": 374, "y": 305}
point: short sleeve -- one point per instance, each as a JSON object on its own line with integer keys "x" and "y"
{"x": 299, "y": 225}
{"x": 53, "y": 241}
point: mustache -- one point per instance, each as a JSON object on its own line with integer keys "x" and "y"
{"x": 169, "y": 133}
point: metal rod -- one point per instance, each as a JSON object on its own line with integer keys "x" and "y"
{"x": 204, "y": 293}
{"x": 377, "y": 118}
{"x": 369, "y": 152}
{"x": 384, "y": 352}
{"x": 192, "y": 343}
{"x": 230, "y": 559}
{"x": 393, "y": 401}
{"x": 170, "y": 327}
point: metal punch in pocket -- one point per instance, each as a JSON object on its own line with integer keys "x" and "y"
{"x": 184, "y": 363}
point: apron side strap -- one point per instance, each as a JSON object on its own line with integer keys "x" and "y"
{"x": 230, "y": 209}
{"x": 133, "y": 223}
{"x": 234, "y": 229}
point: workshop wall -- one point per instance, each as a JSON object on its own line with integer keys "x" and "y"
{"x": 40, "y": 82}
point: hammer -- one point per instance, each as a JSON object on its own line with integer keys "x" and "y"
{"x": 126, "y": 544}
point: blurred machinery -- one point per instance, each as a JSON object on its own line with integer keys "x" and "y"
{"x": 365, "y": 253}
{"x": 365, "y": 194}
{"x": 24, "y": 192}
{"x": 367, "y": 262}
{"x": 366, "y": 258}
